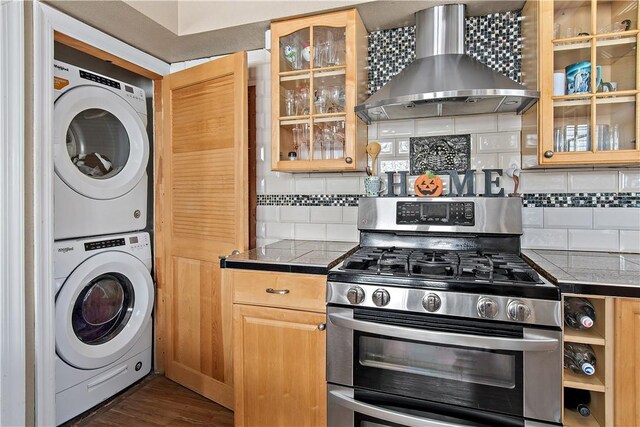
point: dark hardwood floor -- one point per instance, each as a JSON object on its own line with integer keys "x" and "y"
{"x": 156, "y": 401}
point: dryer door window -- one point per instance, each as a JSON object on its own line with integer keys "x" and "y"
{"x": 98, "y": 143}
{"x": 103, "y": 308}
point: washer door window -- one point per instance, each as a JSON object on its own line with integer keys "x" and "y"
{"x": 102, "y": 309}
{"x": 101, "y": 147}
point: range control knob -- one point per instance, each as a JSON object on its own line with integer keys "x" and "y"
{"x": 380, "y": 297}
{"x": 431, "y": 303}
{"x": 487, "y": 308}
{"x": 355, "y": 295}
{"x": 518, "y": 311}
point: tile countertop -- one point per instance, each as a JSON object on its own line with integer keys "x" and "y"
{"x": 292, "y": 256}
{"x": 593, "y": 273}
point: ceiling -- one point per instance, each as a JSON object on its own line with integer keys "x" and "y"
{"x": 176, "y": 31}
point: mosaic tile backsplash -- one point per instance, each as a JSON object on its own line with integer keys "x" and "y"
{"x": 495, "y": 40}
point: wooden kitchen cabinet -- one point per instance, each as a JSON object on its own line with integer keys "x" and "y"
{"x": 279, "y": 353}
{"x": 627, "y": 362}
{"x": 318, "y": 74}
{"x": 599, "y": 122}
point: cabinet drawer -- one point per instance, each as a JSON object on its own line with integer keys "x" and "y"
{"x": 277, "y": 289}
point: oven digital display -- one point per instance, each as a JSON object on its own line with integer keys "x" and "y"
{"x": 435, "y": 213}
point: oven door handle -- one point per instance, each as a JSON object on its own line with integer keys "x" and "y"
{"x": 342, "y": 398}
{"x": 447, "y": 338}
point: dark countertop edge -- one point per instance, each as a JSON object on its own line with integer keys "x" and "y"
{"x": 283, "y": 267}
{"x": 586, "y": 288}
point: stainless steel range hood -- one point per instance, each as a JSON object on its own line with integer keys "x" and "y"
{"x": 443, "y": 80}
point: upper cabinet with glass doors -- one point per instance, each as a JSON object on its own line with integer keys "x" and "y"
{"x": 319, "y": 74}
{"x": 589, "y": 82}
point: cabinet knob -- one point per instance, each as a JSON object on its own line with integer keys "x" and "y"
{"x": 322, "y": 326}
{"x": 548, "y": 154}
{"x": 348, "y": 160}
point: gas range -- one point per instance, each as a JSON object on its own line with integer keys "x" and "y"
{"x": 437, "y": 319}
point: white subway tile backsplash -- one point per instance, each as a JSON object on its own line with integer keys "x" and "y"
{"x": 543, "y": 182}
{"x": 267, "y": 213}
{"x": 629, "y": 241}
{"x": 476, "y": 124}
{"x": 294, "y": 213}
{"x": 393, "y": 166}
{"x": 310, "y": 231}
{"x": 540, "y": 238}
{"x": 395, "y": 128}
{"x": 484, "y": 161}
{"x": 629, "y": 181}
{"x": 436, "y": 126}
{"x": 342, "y": 233}
{"x": 343, "y": 185}
{"x": 508, "y": 160}
{"x": 350, "y": 214}
{"x": 594, "y": 240}
{"x": 280, "y": 183}
{"x": 617, "y": 218}
{"x": 279, "y": 230}
{"x": 309, "y": 186}
{"x": 497, "y": 142}
{"x": 386, "y": 148}
{"x": 507, "y": 122}
{"x": 402, "y": 147}
{"x": 372, "y": 131}
{"x": 326, "y": 214}
{"x": 532, "y": 217}
{"x": 593, "y": 182}
{"x": 568, "y": 218}
{"x": 261, "y": 230}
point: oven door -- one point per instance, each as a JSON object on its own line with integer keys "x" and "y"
{"x": 361, "y": 408}
{"x": 487, "y": 366}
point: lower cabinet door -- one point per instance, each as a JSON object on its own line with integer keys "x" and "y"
{"x": 279, "y": 367}
{"x": 627, "y": 363}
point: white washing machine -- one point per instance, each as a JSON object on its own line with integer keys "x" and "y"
{"x": 101, "y": 151}
{"x": 104, "y": 299}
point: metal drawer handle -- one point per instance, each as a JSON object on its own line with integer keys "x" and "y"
{"x": 343, "y": 399}
{"x": 277, "y": 291}
{"x": 447, "y": 338}
{"x": 322, "y": 326}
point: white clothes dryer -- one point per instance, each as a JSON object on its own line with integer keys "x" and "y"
{"x": 101, "y": 151}
{"x": 103, "y": 328}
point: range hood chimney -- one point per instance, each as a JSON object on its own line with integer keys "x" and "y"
{"x": 443, "y": 80}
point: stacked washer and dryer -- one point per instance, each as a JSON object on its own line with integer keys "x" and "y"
{"x": 102, "y": 259}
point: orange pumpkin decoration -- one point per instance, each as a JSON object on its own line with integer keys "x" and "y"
{"x": 428, "y": 185}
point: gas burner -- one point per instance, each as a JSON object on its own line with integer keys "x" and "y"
{"x": 467, "y": 266}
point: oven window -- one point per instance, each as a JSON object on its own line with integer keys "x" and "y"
{"x": 450, "y": 363}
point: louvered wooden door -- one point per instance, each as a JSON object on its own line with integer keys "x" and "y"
{"x": 203, "y": 169}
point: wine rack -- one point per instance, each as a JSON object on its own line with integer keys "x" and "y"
{"x": 600, "y": 385}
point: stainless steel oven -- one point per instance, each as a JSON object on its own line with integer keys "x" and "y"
{"x": 447, "y": 329}
{"x": 501, "y": 373}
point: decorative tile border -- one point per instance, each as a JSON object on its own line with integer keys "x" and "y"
{"x": 308, "y": 199}
{"x": 581, "y": 200}
{"x": 495, "y": 40}
{"x": 531, "y": 200}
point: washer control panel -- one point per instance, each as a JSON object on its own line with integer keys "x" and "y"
{"x": 102, "y": 244}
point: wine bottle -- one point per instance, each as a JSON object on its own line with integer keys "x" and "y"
{"x": 577, "y": 400}
{"x": 579, "y": 313}
{"x": 580, "y": 358}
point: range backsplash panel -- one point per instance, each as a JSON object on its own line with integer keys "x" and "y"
{"x": 439, "y": 153}
{"x": 495, "y": 40}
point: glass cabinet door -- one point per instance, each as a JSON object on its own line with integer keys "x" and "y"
{"x": 595, "y": 82}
